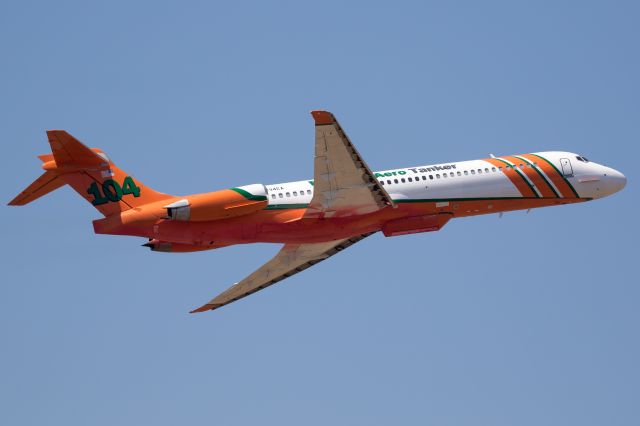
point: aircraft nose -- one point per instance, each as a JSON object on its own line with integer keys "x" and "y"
{"x": 615, "y": 180}
{"x": 620, "y": 180}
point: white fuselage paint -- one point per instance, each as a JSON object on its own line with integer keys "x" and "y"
{"x": 464, "y": 180}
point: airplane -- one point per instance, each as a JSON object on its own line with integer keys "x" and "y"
{"x": 344, "y": 203}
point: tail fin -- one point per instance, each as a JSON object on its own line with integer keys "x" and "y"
{"x": 90, "y": 173}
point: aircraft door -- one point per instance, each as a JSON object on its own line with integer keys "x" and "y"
{"x": 566, "y": 167}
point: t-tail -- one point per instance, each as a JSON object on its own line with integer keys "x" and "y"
{"x": 90, "y": 173}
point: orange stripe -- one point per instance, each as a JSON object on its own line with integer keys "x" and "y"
{"x": 552, "y": 173}
{"x": 540, "y": 184}
{"x": 514, "y": 177}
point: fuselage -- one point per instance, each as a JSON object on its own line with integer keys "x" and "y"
{"x": 456, "y": 189}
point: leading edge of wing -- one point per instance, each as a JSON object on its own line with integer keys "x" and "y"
{"x": 291, "y": 259}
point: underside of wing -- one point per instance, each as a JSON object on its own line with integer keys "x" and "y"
{"x": 343, "y": 183}
{"x": 290, "y": 260}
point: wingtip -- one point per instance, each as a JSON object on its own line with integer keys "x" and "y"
{"x": 202, "y": 308}
{"x": 322, "y": 117}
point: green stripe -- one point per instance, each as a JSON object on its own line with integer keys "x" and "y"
{"x": 286, "y": 206}
{"x": 561, "y": 174}
{"x": 537, "y": 169}
{"x": 521, "y": 175}
{"x": 248, "y": 195}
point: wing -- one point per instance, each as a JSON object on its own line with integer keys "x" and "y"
{"x": 290, "y": 260}
{"x": 343, "y": 183}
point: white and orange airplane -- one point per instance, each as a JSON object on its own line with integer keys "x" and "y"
{"x": 345, "y": 202}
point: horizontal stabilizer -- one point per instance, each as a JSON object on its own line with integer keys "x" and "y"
{"x": 47, "y": 182}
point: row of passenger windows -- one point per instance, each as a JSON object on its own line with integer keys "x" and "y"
{"x": 288, "y": 194}
{"x": 454, "y": 174}
{"x": 416, "y": 178}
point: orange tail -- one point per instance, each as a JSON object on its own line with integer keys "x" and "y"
{"x": 90, "y": 173}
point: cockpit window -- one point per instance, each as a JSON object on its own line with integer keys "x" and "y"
{"x": 583, "y": 159}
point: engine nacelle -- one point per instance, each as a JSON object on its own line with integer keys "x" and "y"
{"x": 219, "y": 205}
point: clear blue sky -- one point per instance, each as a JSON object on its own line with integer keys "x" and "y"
{"x": 525, "y": 320}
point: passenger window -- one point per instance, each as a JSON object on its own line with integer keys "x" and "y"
{"x": 402, "y": 180}
{"x": 444, "y": 175}
{"x": 438, "y": 175}
{"x": 493, "y": 169}
{"x": 459, "y": 174}
{"x": 295, "y": 193}
{"x": 473, "y": 172}
{"x": 273, "y": 195}
{"x": 424, "y": 177}
{"x": 382, "y": 182}
{"x": 388, "y": 182}
{"x": 522, "y": 166}
{"x": 486, "y": 170}
{"x": 479, "y": 171}
{"x": 410, "y": 179}
{"x": 288, "y": 194}
{"x": 395, "y": 181}
{"x": 500, "y": 168}
{"x": 280, "y": 195}
{"x": 466, "y": 173}
{"x": 308, "y": 192}
{"x": 451, "y": 174}
{"x": 431, "y": 177}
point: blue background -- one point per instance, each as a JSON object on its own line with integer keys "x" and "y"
{"x": 528, "y": 320}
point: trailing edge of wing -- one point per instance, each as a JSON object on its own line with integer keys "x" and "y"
{"x": 290, "y": 260}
